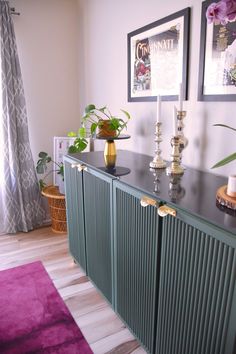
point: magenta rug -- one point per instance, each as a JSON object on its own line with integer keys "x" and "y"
{"x": 33, "y": 316}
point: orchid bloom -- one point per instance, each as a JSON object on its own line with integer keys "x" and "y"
{"x": 221, "y": 12}
{"x": 231, "y": 9}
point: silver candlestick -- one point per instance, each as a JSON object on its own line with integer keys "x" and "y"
{"x": 175, "y": 168}
{"x": 183, "y": 141}
{"x": 158, "y": 161}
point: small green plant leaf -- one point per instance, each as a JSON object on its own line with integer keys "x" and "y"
{"x": 126, "y": 113}
{"x": 79, "y": 145}
{"x": 89, "y": 108}
{"x": 61, "y": 171}
{"x": 226, "y": 160}
{"x": 224, "y": 126}
{"x": 114, "y": 123}
{"x": 41, "y": 169}
{"x": 82, "y": 132}
{"x": 42, "y": 154}
{"x": 41, "y": 166}
{"x": 72, "y": 149}
{"x": 42, "y": 184}
{"x": 72, "y": 134}
{"x": 102, "y": 109}
{"x": 93, "y": 128}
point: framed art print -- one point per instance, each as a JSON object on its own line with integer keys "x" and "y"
{"x": 217, "y": 64}
{"x": 158, "y": 59}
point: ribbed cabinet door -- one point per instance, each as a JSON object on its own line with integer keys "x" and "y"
{"x": 136, "y": 248}
{"x": 97, "y": 203}
{"x": 75, "y": 213}
{"x": 197, "y": 286}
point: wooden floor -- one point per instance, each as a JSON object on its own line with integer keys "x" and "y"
{"x": 103, "y": 330}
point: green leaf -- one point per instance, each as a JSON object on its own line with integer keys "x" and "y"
{"x": 102, "y": 109}
{"x": 72, "y": 149}
{"x": 40, "y": 169}
{"x": 114, "y": 123}
{"x": 225, "y": 126}
{"x": 89, "y": 108}
{"x": 42, "y": 184}
{"x": 93, "y": 128}
{"x": 82, "y": 132}
{"x": 126, "y": 113}
{"x": 78, "y": 146}
{"x": 225, "y": 161}
{"x": 61, "y": 171}
{"x": 72, "y": 134}
{"x": 41, "y": 166}
{"x": 43, "y": 154}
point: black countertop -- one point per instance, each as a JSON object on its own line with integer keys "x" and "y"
{"x": 194, "y": 192}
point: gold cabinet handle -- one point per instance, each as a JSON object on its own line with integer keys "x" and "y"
{"x": 73, "y": 165}
{"x": 82, "y": 168}
{"x": 79, "y": 166}
{"x": 145, "y": 201}
{"x": 166, "y": 210}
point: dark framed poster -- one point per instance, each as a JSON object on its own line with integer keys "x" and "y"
{"x": 158, "y": 59}
{"x": 217, "y": 64}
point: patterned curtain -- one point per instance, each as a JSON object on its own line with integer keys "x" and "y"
{"x": 21, "y": 206}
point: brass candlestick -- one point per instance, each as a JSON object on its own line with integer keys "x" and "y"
{"x": 175, "y": 168}
{"x": 157, "y": 161}
{"x": 183, "y": 141}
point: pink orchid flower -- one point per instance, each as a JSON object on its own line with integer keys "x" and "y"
{"x": 231, "y": 9}
{"x": 221, "y": 12}
{"x": 216, "y": 12}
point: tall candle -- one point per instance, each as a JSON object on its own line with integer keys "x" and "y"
{"x": 180, "y": 97}
{"x": 175, "y": 130}
{"x": 158, "y": 109}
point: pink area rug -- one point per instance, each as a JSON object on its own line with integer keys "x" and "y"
{"x": 33, "y": 316}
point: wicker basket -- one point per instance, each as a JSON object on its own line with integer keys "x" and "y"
{"x": 57, "y": 205}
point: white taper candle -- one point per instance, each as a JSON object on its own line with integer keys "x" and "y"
{"x": 180, "y": 97}
{"x": 158, "y": 109}
{"x": 175, "y": 130}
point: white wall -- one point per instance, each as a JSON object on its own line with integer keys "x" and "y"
{"x": 104, "y": 25}
{"x": 47, "y": 39}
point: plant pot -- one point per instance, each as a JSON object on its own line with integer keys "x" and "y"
{"x": 57, "y": 206}
{"x": 104, "y": 130}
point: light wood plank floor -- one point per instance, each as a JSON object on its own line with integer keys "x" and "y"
{"x": 103, "y": 330}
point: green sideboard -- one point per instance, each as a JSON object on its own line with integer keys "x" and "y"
{"x": 171, "y": 279}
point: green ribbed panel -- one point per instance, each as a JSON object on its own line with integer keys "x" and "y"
{"x": 98, "y": 232}
{"x": 196, "y": 290}
{"x": 136, "y": 262}
{"x": 74, "y": 209}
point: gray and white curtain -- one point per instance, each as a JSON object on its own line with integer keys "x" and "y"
{"x": 20, "y": 200}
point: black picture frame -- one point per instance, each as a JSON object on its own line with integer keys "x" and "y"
{"x": 177, "y": 35}
{"x": 209, "y": 53}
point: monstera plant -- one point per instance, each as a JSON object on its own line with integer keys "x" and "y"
{"x": 42, "y": 167}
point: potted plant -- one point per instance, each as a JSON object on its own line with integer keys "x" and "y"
{"x": 42, "y": 166}
{"x": 56, "y": 200}
{"x": 102, "y": 121}
{"x": 229, "y": 158}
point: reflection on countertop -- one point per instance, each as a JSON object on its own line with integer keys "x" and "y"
{"x": 194, "y": 192}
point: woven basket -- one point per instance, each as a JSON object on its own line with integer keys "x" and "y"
{"x": 57, "y": 205}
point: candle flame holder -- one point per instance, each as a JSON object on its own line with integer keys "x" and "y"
{"x": 158, "y": 161}
{"x": 175, "y": 167}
